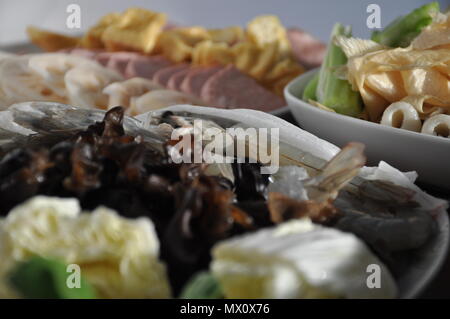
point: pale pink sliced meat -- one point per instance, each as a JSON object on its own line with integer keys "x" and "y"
{"x": 117, "y": 61}
{"x": 175, "y": 80}
{"x": 196, "y": 78}
{"x": 163, "y": 76}
{"x": 308, "y": 50}
{"x": 230, "y": 88}
{"x": 103, "y": 58}
{"x": 146, "y": 67}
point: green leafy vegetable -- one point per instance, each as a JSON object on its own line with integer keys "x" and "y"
{"x": 334, "y": 92}
{"x": 41, "y": 278}
{"x": 403, "y": 30}
{"x": 202, "y": 286}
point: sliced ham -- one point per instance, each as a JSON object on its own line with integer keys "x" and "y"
{"x": 308, "y": 50}
{"x": 196, "y": 78}
{"x": 230, "y": 88}
{"x": 103, "y": 58}
{"x": 175, "y": 80}
{"x": 146, "y": 67}
{"x": 163, "y": 76}
{"x": 117, "y": 61}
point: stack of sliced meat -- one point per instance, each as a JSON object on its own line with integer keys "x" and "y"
{"x": 219, "y": 86}
{"x": 308, "y": 50}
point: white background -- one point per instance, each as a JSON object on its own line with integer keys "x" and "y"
{"x": 315, "y": 16}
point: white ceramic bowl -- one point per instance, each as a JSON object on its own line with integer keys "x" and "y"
{"x": 428, "y": 155}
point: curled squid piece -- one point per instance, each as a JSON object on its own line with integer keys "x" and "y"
{"x": 84, "y": 85}
{"x": 18, "y": 83}
{"x": 438, "y": 125}
{"x": 159, "y": 99}
{"x": 120, "y": 93}
{"x": 52, "y": 67}
{"x": 402, "y": 115}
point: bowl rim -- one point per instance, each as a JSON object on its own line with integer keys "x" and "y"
{"x": 389, "y": 129}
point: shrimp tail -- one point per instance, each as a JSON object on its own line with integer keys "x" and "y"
{"x": 337, "y": 173}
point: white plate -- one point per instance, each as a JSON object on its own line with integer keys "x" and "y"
{"x": 424, "y": 262}
{"x": 408, "y": 151}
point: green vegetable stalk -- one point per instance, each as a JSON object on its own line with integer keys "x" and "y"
{"x": 202, "y": 286}
{"x": 310, "y": 90}
{"x": 40, "y": 278}
{"x": 404, "y": 29}
{"x": 334, "y": 92}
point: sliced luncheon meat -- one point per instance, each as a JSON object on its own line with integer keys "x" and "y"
{"x": 308, "y": 50}
{"x": 176, "y": 80}
{"x": 196, "y": 78}
{"x": 163, "y": 76}
{"x": 103, "y": 58}
{"x": 117, "y": 61}
{"x": 146, "y": 67}
{"x": 230, "y": 88}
